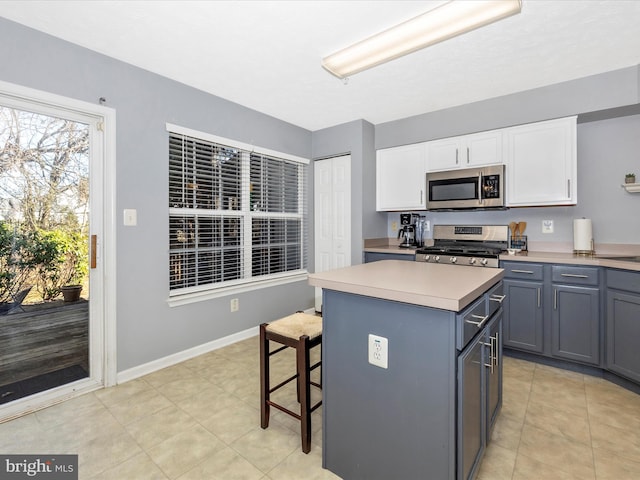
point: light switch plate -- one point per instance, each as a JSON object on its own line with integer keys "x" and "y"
{"x": 130, "y": 217}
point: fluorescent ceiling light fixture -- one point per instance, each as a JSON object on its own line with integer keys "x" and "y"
{"x": 446, "y": 21}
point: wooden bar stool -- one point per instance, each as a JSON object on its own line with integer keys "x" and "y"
{"x": 302, "y": 332}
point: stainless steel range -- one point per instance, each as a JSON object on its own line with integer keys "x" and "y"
{"x": 471, "y": 245}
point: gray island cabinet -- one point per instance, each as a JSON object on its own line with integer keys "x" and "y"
{"x": 412, "y": 370}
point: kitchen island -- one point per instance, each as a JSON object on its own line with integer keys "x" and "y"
{"x": 428, "y": 411}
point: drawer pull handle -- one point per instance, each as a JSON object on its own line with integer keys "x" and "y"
{"x": 497, "y": 298}
{"x": 573, "y": 275}
{"x": 479, "y": 317}
{"x": 523, "y": 271}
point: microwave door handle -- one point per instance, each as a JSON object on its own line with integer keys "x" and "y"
{"x": 480, "y": 196}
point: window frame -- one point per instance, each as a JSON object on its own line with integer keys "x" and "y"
{"x": 198, "y": 293}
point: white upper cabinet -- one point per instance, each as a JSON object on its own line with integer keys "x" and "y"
{"x": 541, "y": 163}
{"x": 401, "y": 178}
{"x": 466, "y": 151}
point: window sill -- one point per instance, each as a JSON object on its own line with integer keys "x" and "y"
{"x": 203, "y": 295}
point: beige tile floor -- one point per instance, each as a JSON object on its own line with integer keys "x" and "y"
{"x": 200, "y": 420}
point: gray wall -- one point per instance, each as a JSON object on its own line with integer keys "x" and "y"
{"x": 147, "y": 328}
{"x": 607, "y": 93}
{"x": 608, "y": 144}
{"x": 357, "y": 139}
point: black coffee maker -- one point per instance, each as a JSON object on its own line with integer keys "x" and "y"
{"x": 407, "y": 231}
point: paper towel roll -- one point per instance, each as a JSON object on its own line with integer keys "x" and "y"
{"x": 582, "y": 235}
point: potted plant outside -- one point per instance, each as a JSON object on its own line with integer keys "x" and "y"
{"x": 71, "y": 293}
{"x": 630, "y": 178}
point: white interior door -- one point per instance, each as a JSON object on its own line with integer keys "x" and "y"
{"x": 332, "y": 216}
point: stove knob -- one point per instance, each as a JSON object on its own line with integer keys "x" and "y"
{"x": 436, "y": 258}
{"x": 484, "y": 261}
{"x": 427, "y": 257}
{"x": 472, "y": 261}
{"x": 453, "y": 259}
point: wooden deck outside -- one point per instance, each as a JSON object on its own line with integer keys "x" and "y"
{"x": 43, "y": 339}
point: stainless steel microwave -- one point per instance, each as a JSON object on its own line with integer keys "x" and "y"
{"x": 469, "y": 188}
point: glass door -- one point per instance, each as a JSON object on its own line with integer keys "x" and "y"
{"x": 45, "y": 246}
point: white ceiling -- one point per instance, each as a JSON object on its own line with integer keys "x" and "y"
{"x": 266, "y": 54}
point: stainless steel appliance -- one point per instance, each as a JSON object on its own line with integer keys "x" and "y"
{"x": 473, "y": 245}
{"x": 469, "y": 188}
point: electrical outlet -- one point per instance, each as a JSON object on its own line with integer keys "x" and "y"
{"x": 547, "y": 226}
{"x": 427, "y": 226}
{"x": 394, "y": 226}
{"x": 235, "y": 305}
{"x": 378, "y": 351}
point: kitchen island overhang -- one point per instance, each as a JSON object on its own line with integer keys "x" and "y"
{"x": 403, "y": 421}
{"x": 425, "y": 284}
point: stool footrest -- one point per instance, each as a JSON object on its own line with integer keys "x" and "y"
{"x": 290, "y": 412}
{"x": 283, "y": 383}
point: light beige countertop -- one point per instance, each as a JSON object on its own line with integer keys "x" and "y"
{"x": 597, "y": 260}
{"x": 549, "y": 253}
{"x": 426, "y": 284}
{"x": 391, "y": 249}
{"x": 388, "y": 245}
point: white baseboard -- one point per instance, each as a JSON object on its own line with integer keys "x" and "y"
{"x": 170, "y": 360}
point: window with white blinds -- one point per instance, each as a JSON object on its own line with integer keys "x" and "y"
{"x": 236, "y": 216}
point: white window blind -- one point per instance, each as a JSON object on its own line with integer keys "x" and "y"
{"x": 235, "y": 216}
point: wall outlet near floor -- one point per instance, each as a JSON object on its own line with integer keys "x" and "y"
{"x": 235, "y": 304}
{"x": 378, "y": 351}
{"x": 547, "y": 226}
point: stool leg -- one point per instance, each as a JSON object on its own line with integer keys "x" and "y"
{"x": 302, "y": 353}
{"x": 264, "y": 377}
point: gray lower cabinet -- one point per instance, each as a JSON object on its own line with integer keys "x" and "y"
{"x": 575, "y": 317}
{"x": 493, "y": 366}
{"x": 623, "y": 323}
{"x": 575, "y": 323}
{"x": 524, "y": 322}
{"x": 554, "y": 310}
{"x": 479, "y": 395}
{"x": 471, "y": 408}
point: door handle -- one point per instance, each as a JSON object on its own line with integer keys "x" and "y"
{"x": 94, "y": 246}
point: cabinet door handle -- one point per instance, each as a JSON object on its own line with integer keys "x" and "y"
{"x": 491, "y": 354}
{"x": 529, "y": 272}
{"x": 573, "y": 275}
{"x": 497, "y": 298}
{"x": 496, "y": 355}
{"x": 569, "y": 188}
{"x": 479, "y": 317}
{"x": 538, "y": 297}
{"x": 421, "y": 193}
{"x": 468, "y": 156}
{"x": 555, "y": 298}
{"x": 456, "y": 156}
